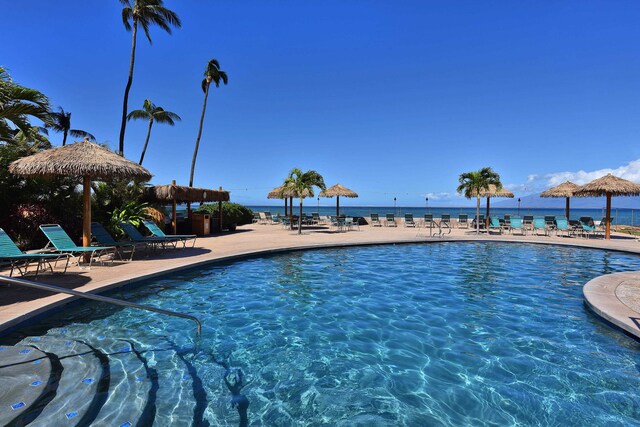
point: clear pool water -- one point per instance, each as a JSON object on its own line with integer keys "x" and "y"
{"x": 419, "y": 335}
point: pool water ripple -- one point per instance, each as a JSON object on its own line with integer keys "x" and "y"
{"x": 441, "y": 334}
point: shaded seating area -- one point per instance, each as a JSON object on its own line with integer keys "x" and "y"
{"x": 18, "y": 260}
{"x": 102, "y": 237}
{"x": 152, "y": 242}
{"x": 60, "y": 241}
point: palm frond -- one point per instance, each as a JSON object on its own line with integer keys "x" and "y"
{"x": 77, "y": 133}
{"x": 138, "y": 115}
{"x": 127, "y": 16}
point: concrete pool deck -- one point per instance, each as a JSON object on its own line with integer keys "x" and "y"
{"x": 615, "y": 297}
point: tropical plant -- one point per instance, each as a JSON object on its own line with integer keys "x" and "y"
{"x": 214, "y": 74}
{"x": 61, "y": 122}
{"x": 144, "y": 13}
{"x": 152, "y": 112}
{"x": 301, "y": 184}
{"x": 132, "y": 213}
{"x": 232, "y": 213}
{"x": 472, "y": 184}
{"x": 19, "y": 104}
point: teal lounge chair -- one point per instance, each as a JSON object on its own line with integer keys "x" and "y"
{"x": 517, "y": 225}
{"x": 157, "y": 232}
{"x": 562, "y": 226}
{"x": 408, "y": 220}
{"x": 390, "y": 221}
{"x": 375, "y": 220}
{"x": 445, "y": 223}
{"x": 60, "y": 240}
{"x": 540, "y": 224}
{"x": 494, "y": 224}
{"x": 102, "y": 237}
{"x": 588, "y": 227}
{"x": 463, "y": 221}
{"x": 11, "y": 253}
{"x": 153, "y": 242}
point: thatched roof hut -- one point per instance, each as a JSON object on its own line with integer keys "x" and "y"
{"x": 608, "y": 186}
{"x": 337, "y": 191}
{"x": 566, "y": 189}
{"x": 79, "y": 159}
{"x": 85, "y": 159}
{"x": 283, "y": 193}
{"x": 182, "y": 194}
{"x": 493, "y": 192}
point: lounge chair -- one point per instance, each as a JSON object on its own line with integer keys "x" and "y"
{"x": 562, "y": 225}
{"x": 445, "y": 222}
{"x": 157, "y": 232}
{"x": 506, "y": 223}
{"x": 315, "y": 218}
{"x": 263, "y": 218}
{"x": 62, "y": 243}
{"x": 588, "y": 227}
{"x": 527, "y": 222}
{"x": 463, "y": 221}
{"x": 494, "y": 224}
{"x": 516, "y": 224}
{"x": 268, "y": 218}
{"x": 408, "y": 220}
{"x": 256, "y": 218}
{"x": 390, "y": 221}
{"x": 482, "y": 222}
{"x": 427, "y": 221}
{"x": 153, "y": 242}
{"x": 540, "y": 224}
{"x": 11, "y": 253}
{"x": 375, "y": 220}
{"x": 338, "y": 223}
{"x": 102, "y": 237}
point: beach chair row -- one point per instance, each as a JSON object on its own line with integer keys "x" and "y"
{"x": 547, "y": 225}
{"x": 427, "y": 221}
{"x": 61, "y": 247}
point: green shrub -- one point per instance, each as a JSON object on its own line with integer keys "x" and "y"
{"x": 232, "y": 213}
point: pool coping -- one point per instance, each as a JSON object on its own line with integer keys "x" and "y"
{"x": 600, "y": 294}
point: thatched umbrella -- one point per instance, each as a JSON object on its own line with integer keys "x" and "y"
{"x": 608, "y": 186}
{"x": 283, "y": 193}
{"x": 493, "y": 192}
{"x": 566, "y": 190}
{"x": 85, "y": 159}
{"x": 337, "y": 191}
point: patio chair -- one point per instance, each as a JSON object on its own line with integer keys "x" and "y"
{"x": 516, "y": 224}
{"x": 62, "y": 243}
{"x": 268, "y": 218}
{"x": 157, "y": 232}
{"x": 539, "y": 224}
{"x": 153, "y": 242}
{"x": 315, "y": 218}
{"x": 562, "y": 225}
{"x": 11, "y": 253}
{"x": 588, "y": 227}
{"x": 102, "y": 237}
{"x": 256, "y": 218}
{"x": 506, "y": 223}
{"x": 463, "y": 221}
{"x": 339, "y": 224}
{"x": 602, "y": 227}
{"x": 494, "y": 224}
{"x": 351, "y": 223}
{"x": 390, "y": 221}
{"x": 482, "y": 222}
{"x": 408, "y": 220}
{"x": 375, "y": 220}
{"x": 263, "y": 218}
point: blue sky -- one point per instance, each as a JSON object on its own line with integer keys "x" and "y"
{"x": 389, "y": 98}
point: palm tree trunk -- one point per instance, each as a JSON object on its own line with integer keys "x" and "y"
{"x": 478, "y": 215}
{"x": 300, "y": 218}
{"x": 123, "y": 124}
{"x": 146, "y": 142}
{"x": 64, "y": 138}
{"x": 195, "y": 151}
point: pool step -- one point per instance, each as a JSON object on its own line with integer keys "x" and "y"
{"x": 27, "y": 380}
{"x": 98, "y": 380}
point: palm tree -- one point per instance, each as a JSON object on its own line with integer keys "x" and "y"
{"x": 152, "y": 113}
{"x": 144, "y": 13}
{"x": 214, "y": 74}
{"x": 18, "y": 104}
{"x": 301, "y": 185}
{"x": 472, "y": 184}
{"x": 61, "y": 122}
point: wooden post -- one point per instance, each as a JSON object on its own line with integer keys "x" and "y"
{"x": 566, "y": 209}
{"x": 486, "y": 220}
{"x": 337, "y": 206}
{"x": 607, "y": 231}
{"x": 86, "y": 211}
{"x": 174, "y": 220}
{"x": 220, "y": 212}
{"x": 291, "y": 212}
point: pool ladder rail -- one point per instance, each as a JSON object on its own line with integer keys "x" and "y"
{"x": 101, "y": 298}
{"x": 437, "y": 228}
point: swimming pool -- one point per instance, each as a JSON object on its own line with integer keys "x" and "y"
{"x": 424, "y": 334}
